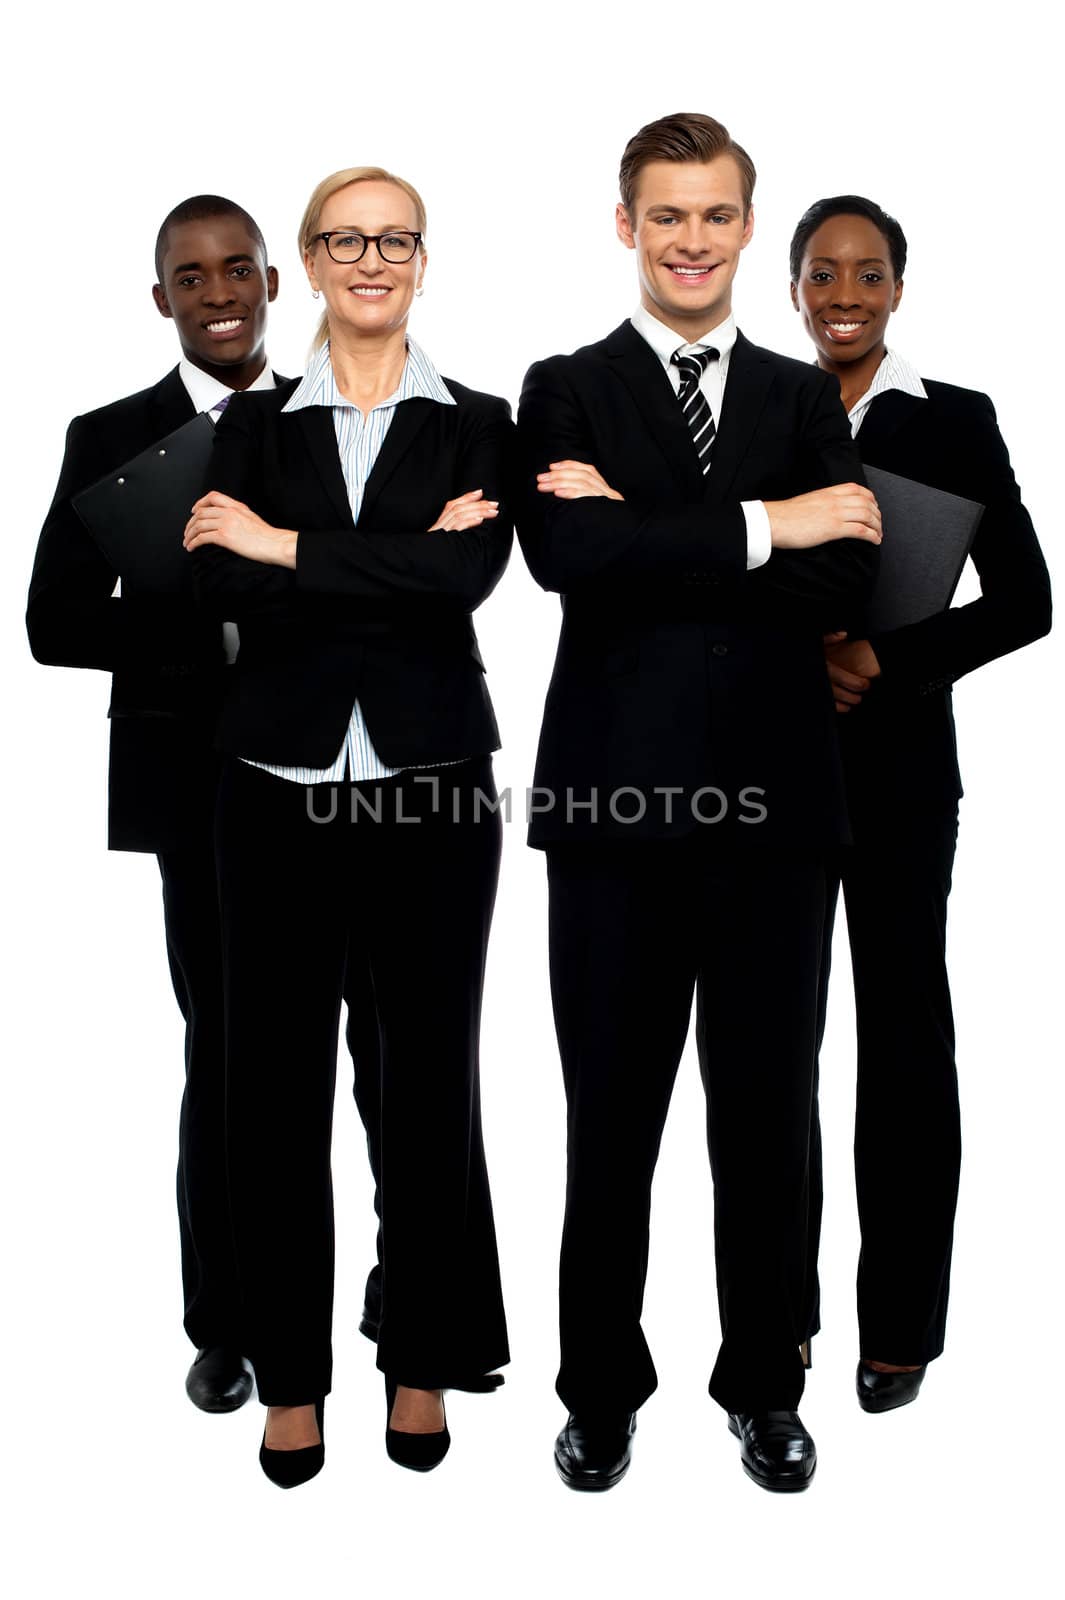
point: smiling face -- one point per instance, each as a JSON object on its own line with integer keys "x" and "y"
{"x": 847, "y": 290}
{"x": 687, "y": 228}
{"x": 369, "y": 297}
{"x": 216, "y": 286}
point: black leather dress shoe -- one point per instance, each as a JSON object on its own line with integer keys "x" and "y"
{"x": 593, "y": 1453}
{"x": 219, "y": 1379}
{"x": 775, "y": 1448}
{"x": 883, "y": 1391}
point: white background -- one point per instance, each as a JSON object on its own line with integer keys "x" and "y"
{"x": 512, "y": 128}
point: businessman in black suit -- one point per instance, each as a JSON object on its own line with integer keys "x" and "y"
{"x": 214, "y": 282}
{"x": 697, "y": 502}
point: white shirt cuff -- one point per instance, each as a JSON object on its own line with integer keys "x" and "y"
{"x": 759, "y": 533}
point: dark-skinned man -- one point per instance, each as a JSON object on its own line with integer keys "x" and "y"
{"x": 215, "y": 283}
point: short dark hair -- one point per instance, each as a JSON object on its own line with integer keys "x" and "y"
{"x": 200, "y": 208}
{"x": 682, "y": 136}
{"x": 847, "y": 205}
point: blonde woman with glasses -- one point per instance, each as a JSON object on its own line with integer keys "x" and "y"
{"x": 356, "y": 520}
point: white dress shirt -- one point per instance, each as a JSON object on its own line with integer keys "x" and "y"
{"x": 205, "y": 392}
{"x": 722, "y": 338}
{"x": 359, "y": 442}
{"x": 894, "y": 372}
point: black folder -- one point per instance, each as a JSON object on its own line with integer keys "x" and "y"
{"x": 927, "y": 538}
{"x": 137, "y": 514}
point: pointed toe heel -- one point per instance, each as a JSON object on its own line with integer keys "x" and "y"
{"x": 886, "y": 1391}
{"x": 289, "y": 1468}
{"x": 420, "y": 1452}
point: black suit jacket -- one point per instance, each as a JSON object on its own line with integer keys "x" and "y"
{"x": 676, "y": 667}
{"x": 899, "y": 745}
{"x": 166, "y": 663}
{"x": 380, "y": 612}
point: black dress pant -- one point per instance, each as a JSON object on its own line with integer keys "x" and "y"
{"x": 413, "y": 877}
{"x": 194, "y": 948}
{"x": 907, "y": 1136}
{"x": 634, "y": 928}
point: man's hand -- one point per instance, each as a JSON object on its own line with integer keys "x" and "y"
{"x": 844, "y": 511}
{"x": 851, "y": 668}
{"x": 219, "y": 519}
{"x": 467, "y": 511}
{"x": 574, "y": 480}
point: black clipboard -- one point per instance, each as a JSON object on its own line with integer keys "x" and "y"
{"x": 137, "y": 513}
{"x": 927, "y": 538}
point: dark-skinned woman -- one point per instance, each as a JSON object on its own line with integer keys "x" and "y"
{"x": 354, "y": 524}
{"x": 893, "y": 695}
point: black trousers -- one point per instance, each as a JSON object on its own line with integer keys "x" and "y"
{"x": 634, "y": 929}
{"x": 194, "y": 948}
{"x": 907, "y": 1134}
{"x": 299, "y": 878}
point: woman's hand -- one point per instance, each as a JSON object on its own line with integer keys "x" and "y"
{"x": 468, "y": 511}
{"x": 219, "y": 519}
{"x": 574, "y": 480}
{"x": 851, "y": 668}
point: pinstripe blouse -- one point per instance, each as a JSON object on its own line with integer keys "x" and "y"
{"x": 359, "y": 441}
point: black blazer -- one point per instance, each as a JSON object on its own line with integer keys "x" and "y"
{"x": 899, "y": 745}
{"x": 675, "y": 666}
{"x": 166, "y": 663}
{"x": 380, "y": 612}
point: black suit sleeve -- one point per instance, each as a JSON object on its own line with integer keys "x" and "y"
{"x": 73, "y": 616}
{"x": 382, "y": 561}
{"x": 1014, "y": 605}
{"x": 373, "y": 562}
{"x": 828, "y": 584}
{"x": 567, "y": 543}
{"x": 228, "y": 585}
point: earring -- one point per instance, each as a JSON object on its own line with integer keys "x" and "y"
{"x": 419, "y": 290}
{"x": 314, "y": 294}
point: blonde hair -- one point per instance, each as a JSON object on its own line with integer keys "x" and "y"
{"x": 312, "y": 216}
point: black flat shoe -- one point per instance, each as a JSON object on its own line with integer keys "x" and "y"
{"x": 288, "y": 1468}
{"x": 883, "y": 1391}
{"x": 421, "y": 1452}
{"x": 775, "y": 1449}
{"x": 592, "y": 1453}
{"x": 220, "y": 1379}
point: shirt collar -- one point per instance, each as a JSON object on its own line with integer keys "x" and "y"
{"x": 894, "y": 372}
{"x": 205, "y": 391}
{"x": 420, "y": 380}
{"x": 664, "y": 341}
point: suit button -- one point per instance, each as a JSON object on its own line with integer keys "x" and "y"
{"x": 720, "y": 649}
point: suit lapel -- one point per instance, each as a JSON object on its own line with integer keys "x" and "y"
{"x": 316, "y": 425}
{"x": 169, "y": 405}
{"x": 639, "y": 369}
{"x": 409, "y": 419}
{"x": 885, "y": 416}
{"x": 750, "y": 376}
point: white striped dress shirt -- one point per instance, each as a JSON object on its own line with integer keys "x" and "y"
{"x": 894, "y": 372}
{"x": 359, "y": 442}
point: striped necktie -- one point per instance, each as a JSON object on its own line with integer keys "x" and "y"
{"x": 219, "y": 406}
{"x": 693, "y": 403}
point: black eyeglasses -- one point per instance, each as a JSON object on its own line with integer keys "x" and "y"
{"x": 346, "y": 246}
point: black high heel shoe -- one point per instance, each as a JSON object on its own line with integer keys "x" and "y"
{"x": 421, "y": 1452}
{"x": 886, "y": 1391}
{"x": 287, "y": 1468}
